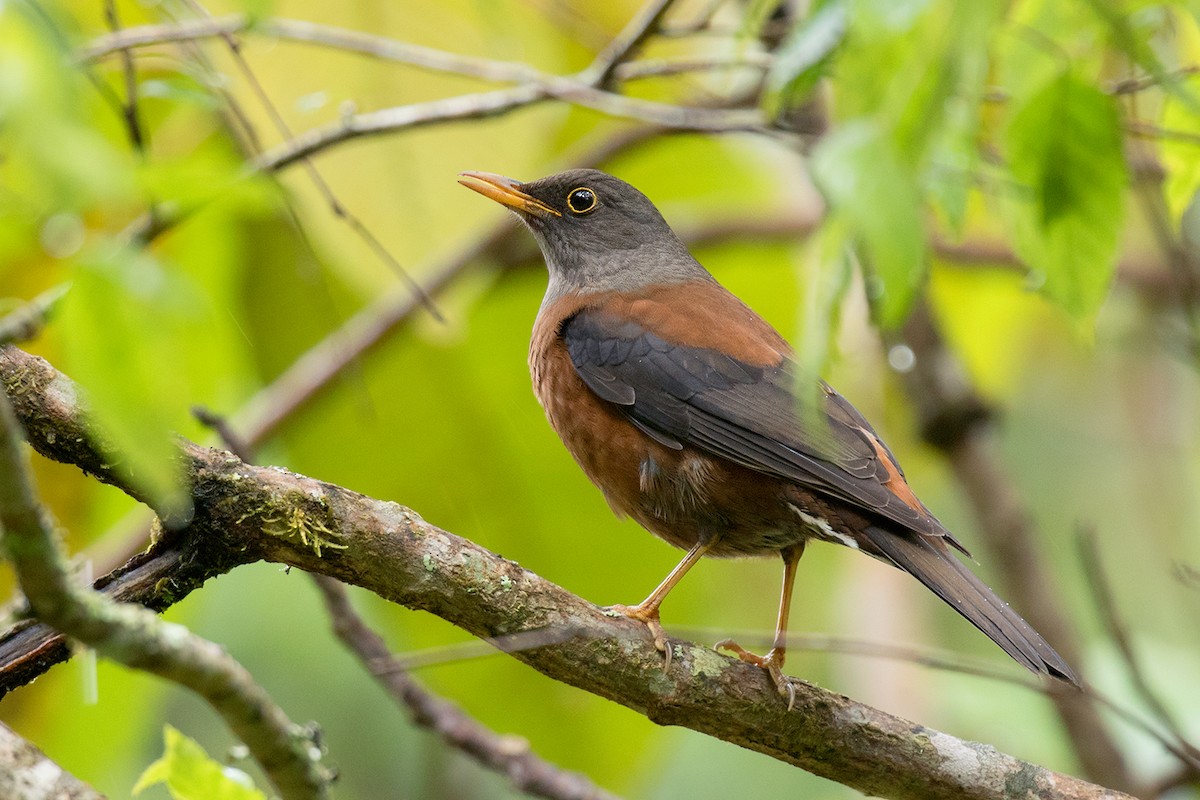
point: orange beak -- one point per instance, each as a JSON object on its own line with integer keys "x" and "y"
{"x": 505, "y": 191}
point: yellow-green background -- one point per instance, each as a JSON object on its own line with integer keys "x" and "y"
{"x": 1099, "y": 429}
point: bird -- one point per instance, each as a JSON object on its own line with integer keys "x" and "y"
{"x": 690, "y": 414}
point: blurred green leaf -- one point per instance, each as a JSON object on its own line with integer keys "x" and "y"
{"x": 895, "y": 16}
{"x": 1043, "y": 38}
{"x": 52, "y": 152}
{"x": 210, "y": 174}
{"x": 1064, "y": 148}
{"x": 864, "y": 179}
{"x": 801, "y": 60}
{"x": 1180, "y": 158}
{"x": 123, "y": 324}
{"x": 190, "y": 774}
{"x": 940, "y": 124}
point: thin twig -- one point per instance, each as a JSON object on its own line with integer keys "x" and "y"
{"x": 600, "y": 72}
{"x": 1106, "y": 604}
{"x": 367, "y": 44}
{"x": 130, "y": 107}
{"x": 26, "y": 322}
{"x": 1149, "y": 130}
{"x": 493, "y": 103}
{"x": 339, "y": 209}
{"x": 1144, "y": 82}
{"x": 394, "y": 50}
{"x": 506, "y": 754}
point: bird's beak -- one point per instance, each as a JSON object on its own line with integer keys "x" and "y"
{"x": 506, "y": 192}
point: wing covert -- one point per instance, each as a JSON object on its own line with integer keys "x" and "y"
{"x": 748, "y": 414}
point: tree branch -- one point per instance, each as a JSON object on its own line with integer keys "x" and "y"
{"x": 245, "y": 513}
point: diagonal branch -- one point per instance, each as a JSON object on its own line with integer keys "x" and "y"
{"x": 508, "y": 755}
{"x": 245, "y": 513}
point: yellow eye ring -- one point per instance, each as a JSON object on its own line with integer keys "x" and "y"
{"x": 581, "y": 200}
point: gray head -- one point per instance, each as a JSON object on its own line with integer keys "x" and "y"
{"x": 597, "y": 233}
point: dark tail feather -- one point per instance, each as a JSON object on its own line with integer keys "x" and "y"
{"x": 930, "y": 561}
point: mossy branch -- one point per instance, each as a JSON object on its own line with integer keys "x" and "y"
{"x": 241, "y": 515}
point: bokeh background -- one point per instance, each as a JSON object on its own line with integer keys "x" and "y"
{"x": 1098, "y": 399}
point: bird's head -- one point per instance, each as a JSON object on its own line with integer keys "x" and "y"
{"x": 597, "y": 233}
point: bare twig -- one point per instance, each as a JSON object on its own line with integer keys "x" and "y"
{"x": 600, "y": 72}
{"x": 393, "y": 50}
{"x": 374, "y": 46}
{"x": 26, "y": 322}
{"x": 136, "y": 637}
{"x": 133, "y": 123}
{"x": 1144, "y": 82}
{"x": 339, "y": 209}
{"x": 500, "y": 101}
{"x": 506, "y": 754}
{"x": 1106, "y": 605}
{"x": 392, "y": 552}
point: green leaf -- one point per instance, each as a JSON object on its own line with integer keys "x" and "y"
{"x": 865, "y": 180}
{"x": 190, "y": 774}
{"x": 1180, "y": 158}
{"x": 802, "y": 58}
{"x": 1064, "y": 149}
{"x": 123, "y": 325}
{"x": 939, "y": 124}
{"x": 894, "y": 16}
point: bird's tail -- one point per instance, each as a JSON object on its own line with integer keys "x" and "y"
{"x": 930, "y": 561}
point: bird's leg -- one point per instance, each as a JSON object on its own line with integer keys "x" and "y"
{"x": 772, "y": 662}
{"x": 646, "y": 611}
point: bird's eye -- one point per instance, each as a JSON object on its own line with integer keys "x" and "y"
{"x": 581, "y": 200}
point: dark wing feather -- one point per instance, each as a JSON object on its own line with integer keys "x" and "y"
{"x": 747, "y": 414}
{"x": 930, "y": 561}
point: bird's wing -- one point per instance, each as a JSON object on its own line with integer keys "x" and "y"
{"x": 751, "y": 415}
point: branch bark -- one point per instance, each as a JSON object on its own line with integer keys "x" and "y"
{"x": 245, "y": 513}
{"x": 29, "y": 775}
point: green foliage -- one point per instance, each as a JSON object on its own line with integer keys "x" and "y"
{"x": 867, "y": 182}
{"x": 190, "y": 774}
{"x": 804, "y": 56}
{"x": 1180, "y": 155}
{"x": 1064, "y": 148}
{"x": 122, "y": 324}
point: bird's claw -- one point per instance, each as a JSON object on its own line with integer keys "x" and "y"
{"x": 772, "y": 663}
{"x": 649, "y": 618}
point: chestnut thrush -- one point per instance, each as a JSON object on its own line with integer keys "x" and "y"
{"x": 681, "y": 404}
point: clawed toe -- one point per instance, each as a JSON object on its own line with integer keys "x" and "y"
{"x": 649, "y": 618}
{"x": 772, "y": 663}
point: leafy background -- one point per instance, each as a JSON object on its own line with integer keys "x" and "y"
{"x": 956, "y": 131}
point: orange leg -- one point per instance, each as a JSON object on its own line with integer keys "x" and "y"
{"x": 772, "y": 662}
{"x": 647, "y": 610}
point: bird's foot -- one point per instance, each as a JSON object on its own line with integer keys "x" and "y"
{"x": 649, "y": 618}
{"x": 772, "y": 662}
